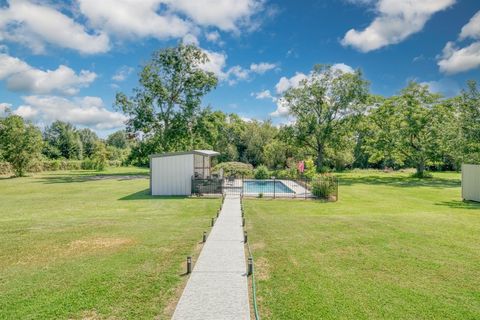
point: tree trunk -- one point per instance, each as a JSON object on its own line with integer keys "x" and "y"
{"x": 320, "y": 158}
{"x": 420, "y": 169}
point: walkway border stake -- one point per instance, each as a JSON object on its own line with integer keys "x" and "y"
{"x": 254, "y": 286}
{"x": 245, "y": 237}
{"x": 213, "y": 222}
{"x": 204, "y": 237}
{"x": 243, "y": 222}
{"x": 189, "y": 265}
{"x": 250, "y": 266}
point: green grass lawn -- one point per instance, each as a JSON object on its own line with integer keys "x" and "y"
{"x": 393, "y": 247}
{"x": 75, "y": 246}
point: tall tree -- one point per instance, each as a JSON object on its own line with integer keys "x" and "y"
{"x": 20, "y": 143}
{"x": 382, "y": 135}
{"x": 118, "y": 139}
{"x": 257, "y": 135}
{"x": 164, "y": 106}
{"x": 418, "y": 119}
{"x": 64, "y": 140}
{"x": 88, "y": 139}
{"x": 469, "y": 110}
{"x": 324, "y": 107}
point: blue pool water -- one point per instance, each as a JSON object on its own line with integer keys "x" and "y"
{"x": 263, "y": 186}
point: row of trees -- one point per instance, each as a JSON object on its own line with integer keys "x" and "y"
{"x": 337, "y": 123}
{"x": 24, "y": 146}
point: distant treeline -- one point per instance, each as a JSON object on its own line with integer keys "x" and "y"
{"x": 334, "y": 123}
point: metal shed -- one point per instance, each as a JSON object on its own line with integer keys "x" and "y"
{"x": 471, "y": 182}
{"x": 172, "y": 173}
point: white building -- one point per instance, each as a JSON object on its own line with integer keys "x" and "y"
{"x": 172, "y": 173}
{"x": 471, "y": 182}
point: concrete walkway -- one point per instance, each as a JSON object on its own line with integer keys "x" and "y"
{"x": 218, "y": 287}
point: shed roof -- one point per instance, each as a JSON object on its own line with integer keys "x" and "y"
{"x": 209, "y": 153}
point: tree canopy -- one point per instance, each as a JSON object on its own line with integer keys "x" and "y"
{"x": 164, "y": 107}
{"x": 325, "y": 106}
{"x": 20, "y": 143}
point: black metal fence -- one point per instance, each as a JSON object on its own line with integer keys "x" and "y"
{"x": 323, "y": 187}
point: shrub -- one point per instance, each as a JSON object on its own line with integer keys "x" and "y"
{"x": 99, "y": 156}
{"x": 51, "y": 165}
{"x": 114, "y": 163}
{"x": 88, "y": 164}
{"x": 324, "y": 186}
{"x": 235, "y": 169}
{"x": 5, "y": 168}
{"x": 289, "y": 173}
{"x": 310, "y": 169}
{"x": 261, "y": 172}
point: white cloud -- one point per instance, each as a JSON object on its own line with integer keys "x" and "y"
{"x": 446, "y": 87}
{"x": 122, "y": 73}
{"x": 262, "y": 67}
{"x": 282, "y": 109}
{"x": 217, "y": 64}
{"x": 237, "y": 73}
{"x": 86, "y": 25}
{"x": 265, "y": 94}
{"x": 472, "y": 28}
{"x": 455, "y": 60}
{"x": 165, "y": 19}
{"x": 343, "y": 67}
{"x": 20, "y": 76}
{"x": 34, "y": 25}
{"x": 246, "y": 119}
{"x": 227, "y": 15}
{"x": 82, "y": 111}
{"x": 213, "y": 36}
{"x": 396, "y": 21}
{"x": 286, "y": 83}
{"x": 131, "y": 19}
{"x": 4, "y": 107}
{"x": 190, "y": 39}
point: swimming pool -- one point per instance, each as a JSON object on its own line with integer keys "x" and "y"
{"x": 265, "y": 186}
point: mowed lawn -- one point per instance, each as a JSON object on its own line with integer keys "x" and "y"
{"x": 76, "y": 246}
{"x": 393, "y": 247}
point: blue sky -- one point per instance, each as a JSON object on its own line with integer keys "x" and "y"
{"x": 65, "y": 60}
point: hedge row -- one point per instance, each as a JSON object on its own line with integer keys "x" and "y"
{"x": 54, "y": 165}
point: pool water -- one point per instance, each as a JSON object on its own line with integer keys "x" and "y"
{"x": 267, "y": 186}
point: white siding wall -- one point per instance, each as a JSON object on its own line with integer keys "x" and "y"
{"x": 172, "y": 175}
{"x": 471, "y": 182}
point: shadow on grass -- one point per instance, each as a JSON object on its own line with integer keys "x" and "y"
{"x": 457, "y": 204}
{"x": 9, "y": 177}
{"x": 90, "y": 176}
{"x": 401, "y": 181}
{"x": 145, "y": 195}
